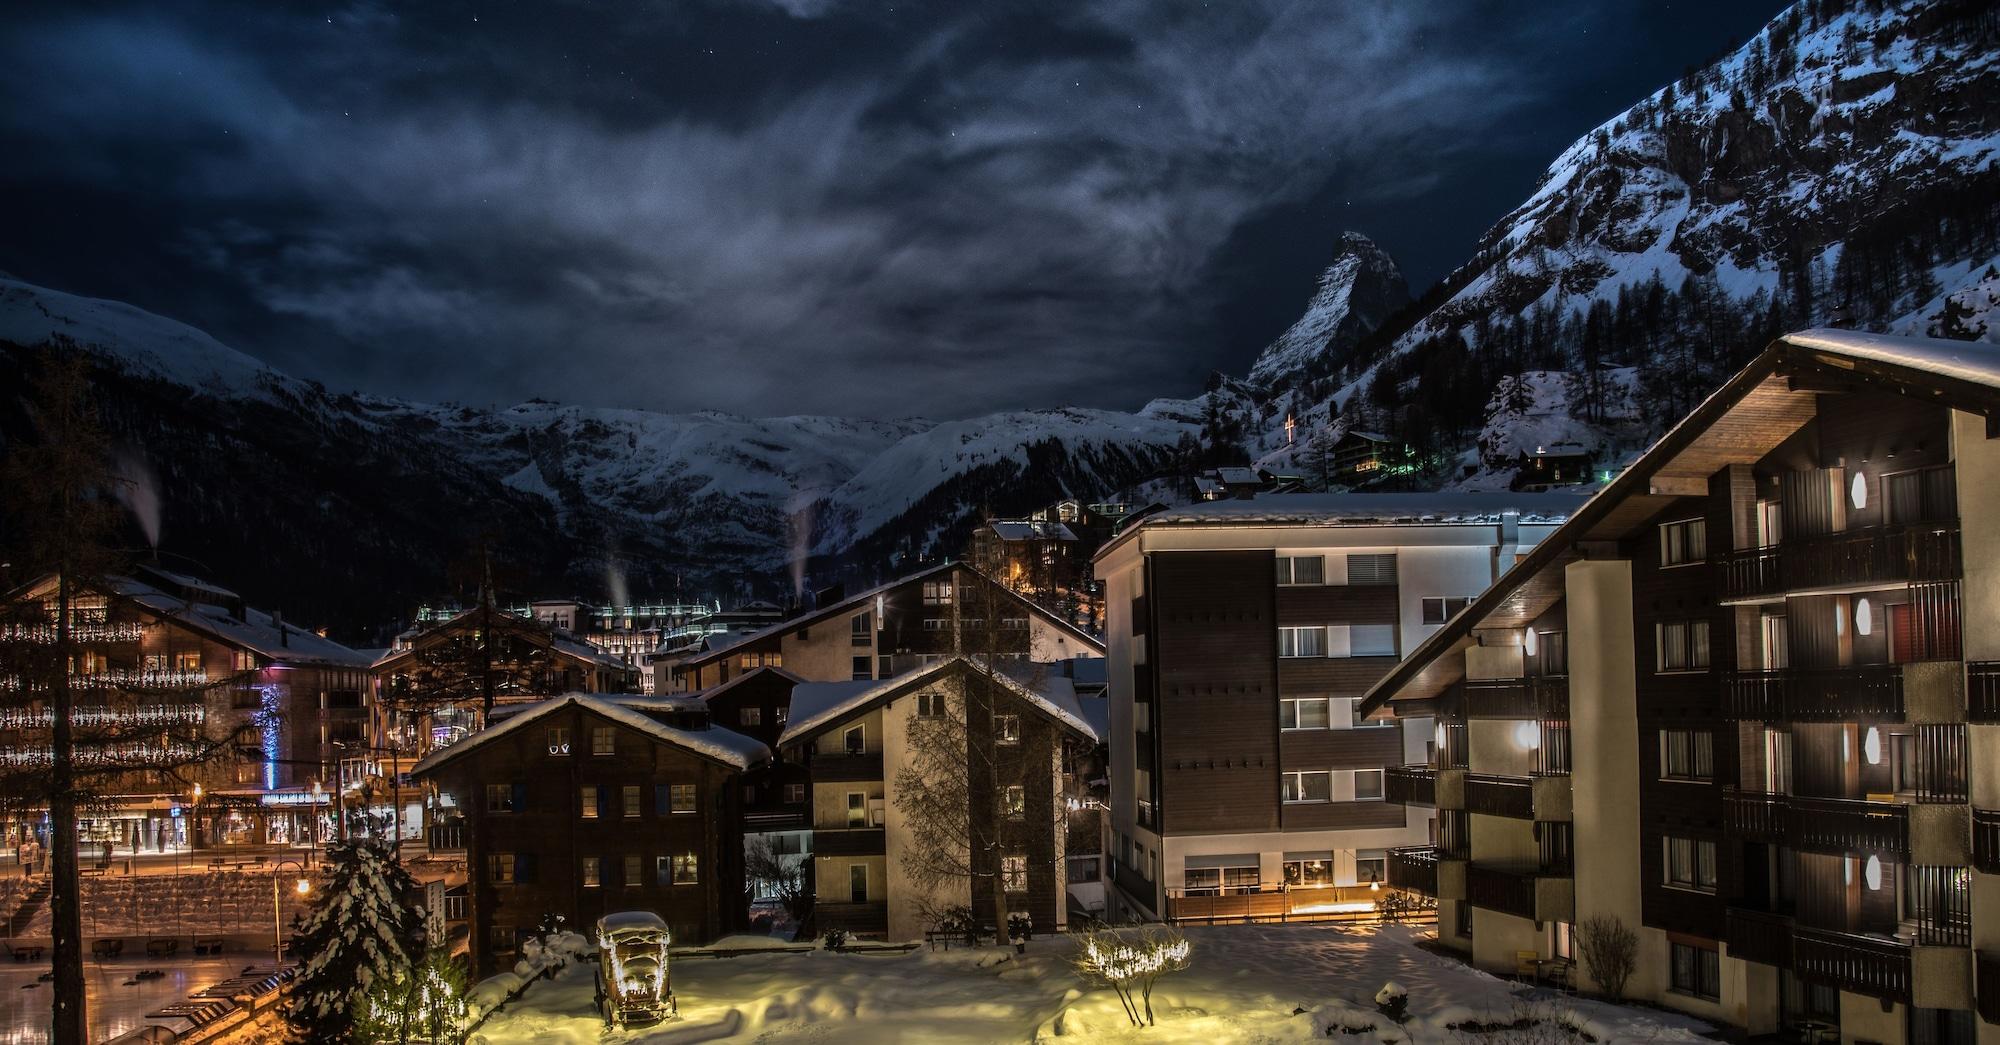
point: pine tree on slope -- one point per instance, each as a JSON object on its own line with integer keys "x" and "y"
{"x": 366, "y": 925}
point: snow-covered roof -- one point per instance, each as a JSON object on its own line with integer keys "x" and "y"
{"x": 722, "y": 745}
{"x": 1237, "y": 475}
{"x": 719, "y": 689}
{"x": 559, "y": 640}
{"x": 818, "y": 705}
{"x": 256, "y": 631}
{"x": 620, "y": 924}
{"x": 1013, "y": 530}
{"x": 1975, "y": 361}
{"x": 1373, "y": 437}
{"x": 1097, "y": 712}
{"x": 1369, "y": 509}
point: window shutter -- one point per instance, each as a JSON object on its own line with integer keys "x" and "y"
{"x": 603, "y": 800}
{"x": 524, "y": 867}
{"x": 661, "y": 804}
{"x": 518, "y": 802}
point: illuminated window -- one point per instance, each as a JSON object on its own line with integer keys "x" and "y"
{"x": 937, "y": 593}
{"x": 686, "y": 869}
{"x": 588, "y": 802}
{"x": 559, "y": 740}
{"x": 633, "y": 876}
{"x": 1014, "y": 873}
{"x": 1310, "y": 786}
{"x": 593, "y": 875}
{"x": 603, "y": 740}
{"x": 1016, "y": 801}
{"x": 1007, "y": 728}
{"x": 631, "y": 797}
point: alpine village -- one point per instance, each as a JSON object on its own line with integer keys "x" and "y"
{"x": 1600, "y": 645}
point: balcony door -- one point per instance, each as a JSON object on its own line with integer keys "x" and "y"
{"x": 1777, "y": 648}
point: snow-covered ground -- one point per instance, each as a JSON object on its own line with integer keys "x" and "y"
{"x": 1246, "y": 984}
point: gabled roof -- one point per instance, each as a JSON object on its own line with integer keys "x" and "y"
{"x": 715, "y": 691}
{"x": 715, "y": 743}
{"x": 1754, "y": 411}
{"x": 819, "y": 706}
{"x": 257, "y": 631}
{"x": 854, "y": 602}
{"x": 559, "y": 640}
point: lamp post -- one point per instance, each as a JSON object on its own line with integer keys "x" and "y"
{"x": 303, "y": 887}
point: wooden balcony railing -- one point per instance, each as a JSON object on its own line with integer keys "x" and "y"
{"x": 1986, "y": 841}
{"x": 1414, "y": 868}
{"x": 1500, "y": 796}
{"x": 1870, "y": 555}
{"x": 1498, "y": 698}
{"x": 1839, "y": 825}
{"x": 851, "y": 841}
{"x": 1758, "y": 936}
{"x": 1982, "y": 690}
{"x": 1870, "y": 692}
{"x": 1986, "y": 984}
{"x": 1497, "y": 889}
{"x": 1818, "y": 825}
{"x": 1454, "y": 834}
{"x": 1870, "y": 965}
{"x": 847, "y": 767}
{"x": 445, "y": 839}
{"x": 1551, "y": 696}
{"x": 1410, "y": 785}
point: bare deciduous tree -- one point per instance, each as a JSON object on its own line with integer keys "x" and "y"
{"x": 1609, "y": 950}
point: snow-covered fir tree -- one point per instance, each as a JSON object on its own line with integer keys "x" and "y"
{"x": 366, "y": 925}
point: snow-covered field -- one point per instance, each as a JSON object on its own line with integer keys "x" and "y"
{"x": 1246, "y": 984}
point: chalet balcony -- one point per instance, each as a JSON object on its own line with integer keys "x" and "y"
{"x": 1410, "y": 785}
{"x": 1871, "y": 965}
{"x": 1986, "y": 841}
{"x": 1758, "y": 936}
{"x": 1544, "y": 697}
{"x": 1455, "y": 746}
{"x": 1414, "y": 868}
{"x": 1327, "y": 903}
{"x": 1982, "y": 690}
{"x": 445, "y": 838}
{"x": 849, "y": 841}
{"x": 841, "y": 768}
{"x": 1863, "y": 693}
{"x": 861, "y": 919}
{"x": 1523, "y": 893}
{"x": 1869, "y": 556}
{"x": 1506, "y": 796}
{"x": 1986, "y": 979}
{"x": 1834, "y": 826}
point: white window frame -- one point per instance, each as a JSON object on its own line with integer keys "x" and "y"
{"x": 1700, "y": 754}
{"x": 1288, "y": 571}
{"x": 1294, "y": 634}
{"x": 1693, "y": 851}
{"x": 1289, "y": 712}
{"x": 1381, "y": 784}
{"x": 1690, "y": 640}
{"x": 1683, "y": 542}
{"x": 1295, "y": 783}
{"x": 1448, "y": 606}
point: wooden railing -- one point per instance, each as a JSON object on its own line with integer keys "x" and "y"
{"x": 847, "y": 767}
{"x": 1839, "y": 825}
{"x": 1495, "y": 889}
{"x": 1410, "y": 785}
{"x": 445, "y": 839}
{"x": 1870, "y": 965}
{"x": 1500, "y": 796}
{"x": 1869, "y": 555}
{"x": 1498, "y": 698}
{"x": 850, "y": 841}
{"x": 1986, "y": 984}
{"x": 1862, "y": 693}
{"x": 1414, "y": 868}
{"x": 1552, "y": 755}
{"x": 1982, "y": 691}
{"x": 1331, "y": 903}
{"x": 1456, "y": 750}
{"x": 1986, "y": 840}
{"x": 1758, "y": 936}
{"x": 1756, "y": 815}
{"x": 1454, "y": 834}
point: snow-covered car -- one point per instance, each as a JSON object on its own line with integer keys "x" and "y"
{"x": 633, "y": 985}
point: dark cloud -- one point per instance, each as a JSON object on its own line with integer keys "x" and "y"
{"x": 779, "y": 207}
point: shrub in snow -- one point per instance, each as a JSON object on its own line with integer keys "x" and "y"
{"x": 1393, "y": 1001}
{"x": 1020, "y": 927}
{"x": 364, "y": 925}
{"x": 1609, "y": 950}
{"x": 834, "y": 939}
{"x": 426, "y": 1003}
{"x": 1129, "y": 964}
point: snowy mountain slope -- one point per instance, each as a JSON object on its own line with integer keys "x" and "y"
{"x": 710, "y": 501}
{"x": 1356, "y": 293}
{"x": 1968, "y": 311}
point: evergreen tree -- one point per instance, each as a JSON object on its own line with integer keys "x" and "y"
{"x": 420, "y": 1003}
{"x": 365, "y": 925}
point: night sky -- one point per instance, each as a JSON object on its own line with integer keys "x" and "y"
{"x": 793, "y": 206}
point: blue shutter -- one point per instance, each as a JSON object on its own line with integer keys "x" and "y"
{"x": 603, "y": 800}
{"x": 518, "y": 802}
{"x": 662, "y": 804}
{"x": 524, "y": 867}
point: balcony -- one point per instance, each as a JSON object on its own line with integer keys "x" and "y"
{"x": 1506, "y": 796}
{"x": 1543, "y": 697}
{"x": 1986, "y": 979}
{"x": 1410, "y": 785}
{"x": 1819, "y": 825}
{"x": 840, "y": 768}
{"x": 1528, "y": 893}
{"x": 1414, "y": 868}
{"x": 1982, "y": 690}
{"x": 446, "y": 839}
{"x": 1866, "y": 557}
{"x": 1986, "y": 842}
{"x": 1758, "y": 936}
{"x": 1870, "y": 965}
{"x": 1327, "y": 903}
{"x": 1863, "y": 693}
{"x": 848, "y": 841}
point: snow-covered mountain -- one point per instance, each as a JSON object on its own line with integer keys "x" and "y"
{"x": 703, "y": 503}
{"x": 1841, "y": 167}
{"x": 1356, "y": 293}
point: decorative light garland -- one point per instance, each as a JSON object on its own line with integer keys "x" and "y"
{"x": 654, "y": 983}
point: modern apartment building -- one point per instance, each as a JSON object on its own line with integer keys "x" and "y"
{"x": 956, "y": 765}
{"x": 1746, "y": 703}
{"x": 1242, "y": 634}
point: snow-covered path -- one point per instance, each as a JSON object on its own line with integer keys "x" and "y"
{"x": 1245, "y": 985}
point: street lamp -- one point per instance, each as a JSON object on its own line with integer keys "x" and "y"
{"x": 303, "y": 888}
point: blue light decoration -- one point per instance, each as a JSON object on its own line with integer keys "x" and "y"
{"x": 268, "y": 731}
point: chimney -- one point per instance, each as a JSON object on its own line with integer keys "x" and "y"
{"x": 278, "y": 621}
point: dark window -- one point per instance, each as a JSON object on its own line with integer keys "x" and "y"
{"x": 1378, "y": 568}
{"x": 1682, "y": 645}
{"x": 1690, "y": 864}
{"x": 1687, "y": 754}
{"x": 864, "y": 668}
{"x": 1301, "y": 569}
{"x": 1441, "y": 608}
{"x": 1696, "y": 971}
{"x": 1683, "y": 542}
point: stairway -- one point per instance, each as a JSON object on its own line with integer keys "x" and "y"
{"x": 25, "y": 913}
